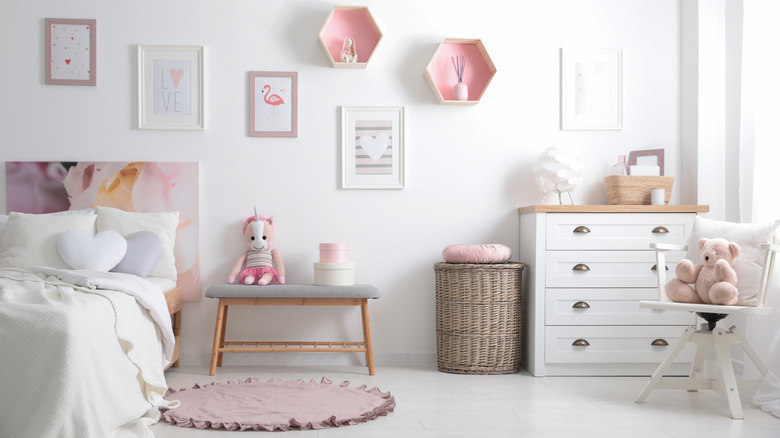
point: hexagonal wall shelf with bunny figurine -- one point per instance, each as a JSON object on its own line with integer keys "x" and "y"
{"x": 349, "y": 36}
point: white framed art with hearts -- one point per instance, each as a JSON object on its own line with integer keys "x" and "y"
{"x": 373, "y": 148}
{"x": 71, "y": 51}
{"x": 170, "y": 87}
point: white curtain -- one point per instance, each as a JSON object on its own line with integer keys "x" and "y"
{"x": 760, "y": 112}
{"x": 759, "y": 172}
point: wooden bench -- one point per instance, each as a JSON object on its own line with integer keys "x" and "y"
{"x": 290, "y": 295}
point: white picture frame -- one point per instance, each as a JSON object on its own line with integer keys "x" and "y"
{"x": 373, "y": 148}
{"x": 170, "y": 87}
{"x": 591, "y": 89}
{"x": 71, "y": 51}
{"x": 273, "y": 104}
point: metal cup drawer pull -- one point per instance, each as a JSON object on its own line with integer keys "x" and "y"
{"x": 580, "y": 267}
{"x": 660, "y": 230}
{"x": 659, "y": 343}
{"x": 580, "y": 343}
{"x": 655, "y": 267}
{"x": 581, "y": 305}
{"x": 581, "y": 229}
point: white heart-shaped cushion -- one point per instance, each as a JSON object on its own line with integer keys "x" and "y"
{"x": 99, "y": 252}
{"x": 143, "y": 251}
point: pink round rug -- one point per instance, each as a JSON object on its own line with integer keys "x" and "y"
{"x": 276, "y": 405}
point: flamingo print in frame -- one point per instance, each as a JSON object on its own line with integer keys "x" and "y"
{"x": 273, "y": 104}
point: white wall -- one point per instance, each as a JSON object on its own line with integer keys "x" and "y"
{"x": 469, "y": 167}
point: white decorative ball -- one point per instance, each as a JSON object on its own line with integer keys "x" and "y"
{"x": 557, "y": 171}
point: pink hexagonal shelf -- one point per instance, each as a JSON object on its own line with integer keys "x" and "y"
{"x": 353, "y": 22}
{"x": 477, "y": 74}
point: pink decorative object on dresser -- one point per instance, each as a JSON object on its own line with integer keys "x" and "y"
{"x": 334, "y": 252}
{"x": 334, "y": 268}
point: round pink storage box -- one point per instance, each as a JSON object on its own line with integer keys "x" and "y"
{"x": 334, "y": 252}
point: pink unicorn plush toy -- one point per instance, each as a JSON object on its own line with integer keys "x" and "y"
{"x": 261, "y": 263}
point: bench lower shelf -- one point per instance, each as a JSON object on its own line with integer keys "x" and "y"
{"x": 275, "y": 346}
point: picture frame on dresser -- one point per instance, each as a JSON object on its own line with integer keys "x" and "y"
{"x": 170, "y": 87}
{"x": 591, "y": 89}
{"x": 71, "y": 51}
{"x": 633, "y": 158}
{"x": 273, "y": 104}
{"x": 588, "y": 268}
{"x": 373, "y": 148}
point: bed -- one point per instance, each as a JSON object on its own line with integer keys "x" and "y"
{"x": 83, "y": 347}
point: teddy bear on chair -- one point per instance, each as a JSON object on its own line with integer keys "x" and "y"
{"x": 715, "y": 279}
{"x": 261, "y": 263}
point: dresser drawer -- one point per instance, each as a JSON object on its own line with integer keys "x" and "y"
{"x": 606, "y": 268}
{"x": 607, "y": 307}
{"x": 615, "y": 344}
{"x": 631, "y": 231}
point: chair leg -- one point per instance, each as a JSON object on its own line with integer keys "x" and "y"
{"x": 720, "y": 339}
{"x": 219, "y": 336}
{"x": 659, "y": 372}
{"x": 760, "y": 365}
{"x": 697, "y": 366}
{"x": 367, "y": 336}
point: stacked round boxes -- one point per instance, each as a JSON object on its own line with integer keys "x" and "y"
{"x": 334, "y": 268}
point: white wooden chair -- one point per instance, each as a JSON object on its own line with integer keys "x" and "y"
{"x": 708, "y": 334}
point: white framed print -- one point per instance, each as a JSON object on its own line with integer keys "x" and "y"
{"x": 373, "y": 149}
{"x": 170, "y": 87}
{"x": 591, "y": 89}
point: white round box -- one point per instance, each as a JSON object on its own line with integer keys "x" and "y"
{"x": 334, "y": 274}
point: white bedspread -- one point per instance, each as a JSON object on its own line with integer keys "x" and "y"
{"x": 78, "y": 356}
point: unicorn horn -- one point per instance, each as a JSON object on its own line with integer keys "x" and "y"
{"x": 257, "y": 218}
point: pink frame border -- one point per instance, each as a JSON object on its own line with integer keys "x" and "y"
{"x": 657, "y": 153}
{"x": 92, "y": 23}
{"x": 286, "y": 74}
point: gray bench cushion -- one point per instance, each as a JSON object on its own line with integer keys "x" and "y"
{"x": 292, "y": 291}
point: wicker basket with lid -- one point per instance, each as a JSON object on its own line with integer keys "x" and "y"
{"x": 479, "y": 317}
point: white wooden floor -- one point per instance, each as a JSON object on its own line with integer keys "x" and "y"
{"x": 434, "y": 404}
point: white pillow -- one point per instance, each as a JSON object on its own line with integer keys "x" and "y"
{"x": 31, "y": 239}
{"x": 750, "y": 262}
{"x": 162, "y": 224}
{"x": 98, "y": 252}
{"x": 143, "y": 252}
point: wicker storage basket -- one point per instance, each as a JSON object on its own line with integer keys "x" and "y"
{"x": 635, "y": 190}
{"x": 479, "y": 317}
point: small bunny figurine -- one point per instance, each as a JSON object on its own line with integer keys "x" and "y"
{"x": 349, "y": 51}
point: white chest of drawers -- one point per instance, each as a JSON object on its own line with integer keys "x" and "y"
{"x": 588, "y": 268}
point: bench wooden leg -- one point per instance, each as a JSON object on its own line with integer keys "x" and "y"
{"x": 367, "y": 336}
{"x": 222, "y": 336}
{"x": 219, "y": 336}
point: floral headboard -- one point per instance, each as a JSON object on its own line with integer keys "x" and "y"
{"x": 145, "y": 187}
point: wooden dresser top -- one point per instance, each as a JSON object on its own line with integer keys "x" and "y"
{"x": 614, "y": 209}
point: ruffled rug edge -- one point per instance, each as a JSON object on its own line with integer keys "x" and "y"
{"x": 387, "y": 405}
